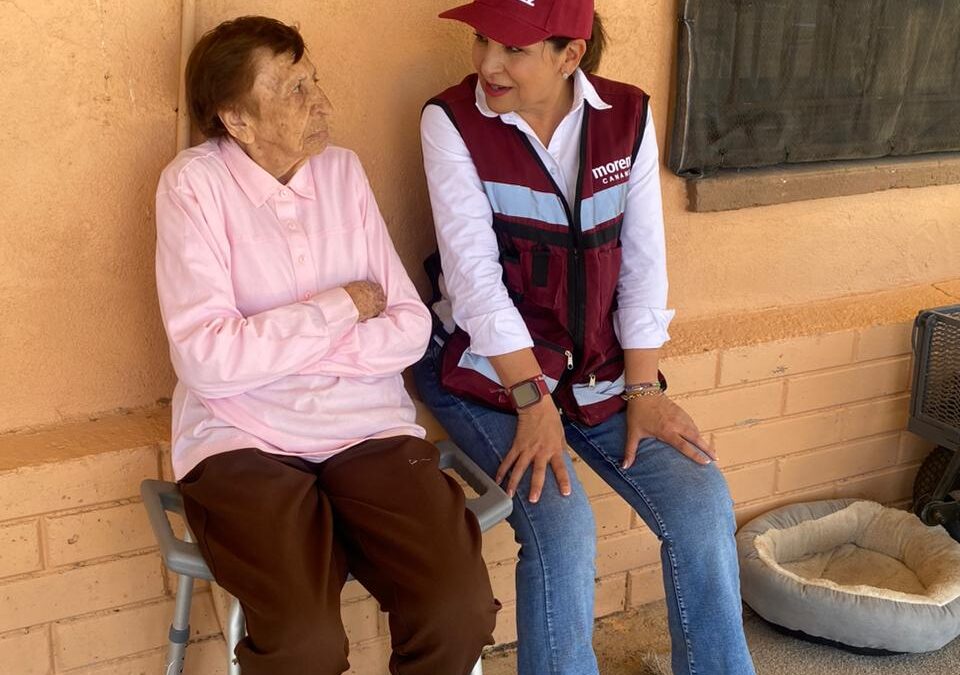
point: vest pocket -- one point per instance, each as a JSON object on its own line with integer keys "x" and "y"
{"x": 541, "y": 267}
{"x": 609, "y": 371}
{"x": 473, "y": 377}
{"x": 607, "y": 274}
{"x": 554, "y": 359}
{"x": 545, "y": 278}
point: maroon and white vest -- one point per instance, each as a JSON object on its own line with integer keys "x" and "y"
{"x": 561, "y": 261}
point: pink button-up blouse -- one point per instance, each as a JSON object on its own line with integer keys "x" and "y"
{"x": 265, "y": 342}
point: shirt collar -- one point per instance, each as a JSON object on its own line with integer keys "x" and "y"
{"x": 258, "y": 184}
{"x": 583, "y": 92}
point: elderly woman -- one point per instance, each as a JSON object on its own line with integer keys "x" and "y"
{"x": 290, "y": 318}
{"x": 544, "y": 181}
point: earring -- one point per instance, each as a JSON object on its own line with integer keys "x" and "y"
{"x": 566, "y": 75}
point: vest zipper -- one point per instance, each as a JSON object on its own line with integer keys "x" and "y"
{"x": 579, "y": 272}
{"x": 577, "y": 294}
{"x": 556, "y": 348}
{"x": 593, "y": 375}
{"x": 576, "y": 274}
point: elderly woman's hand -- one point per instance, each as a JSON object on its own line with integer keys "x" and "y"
{"x": 369, "y": 298}
{"x": 659, "y": 417}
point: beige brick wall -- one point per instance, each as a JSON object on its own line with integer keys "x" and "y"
{"x": 82, "y": 589}
{"x": 832, "y": 421}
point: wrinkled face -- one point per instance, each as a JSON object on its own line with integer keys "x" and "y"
{"x": 518, "y": 79}
{"x": 286, "y": 114}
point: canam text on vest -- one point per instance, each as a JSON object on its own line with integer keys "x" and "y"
{"x": 613, "y": 172}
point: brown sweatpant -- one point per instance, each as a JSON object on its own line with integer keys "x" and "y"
{"x": 280, "y": 534}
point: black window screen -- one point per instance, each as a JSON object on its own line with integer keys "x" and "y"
{"x": 765, "y": 82}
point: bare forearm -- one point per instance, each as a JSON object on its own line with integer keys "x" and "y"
{"x": 640, "y": 365}
{"x": 516, "y": 366}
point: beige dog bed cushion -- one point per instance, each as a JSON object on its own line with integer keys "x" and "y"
{"x": 854, "y": 573}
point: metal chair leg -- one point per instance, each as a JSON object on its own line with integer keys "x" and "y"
{"x": 236, "y": 630}
{"x": 180, "y": 627}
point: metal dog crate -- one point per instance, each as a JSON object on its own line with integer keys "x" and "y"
{"x": 935, "y": 416}
{"x": 935, "y": 400}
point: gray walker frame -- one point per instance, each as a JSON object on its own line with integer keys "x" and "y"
{"x": 183, "y": 555}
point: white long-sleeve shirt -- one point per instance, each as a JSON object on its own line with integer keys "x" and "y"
{"x": 473, "y": 285}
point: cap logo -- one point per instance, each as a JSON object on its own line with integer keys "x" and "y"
{"x": 530, "y": 3}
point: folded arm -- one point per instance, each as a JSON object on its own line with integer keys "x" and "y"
{"x": 216, "y": 351}
{"x": 386, "y": 344}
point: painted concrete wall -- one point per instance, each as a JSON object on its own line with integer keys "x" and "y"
{"x": 87, "y": 108}
{"x": 89, "y": 121}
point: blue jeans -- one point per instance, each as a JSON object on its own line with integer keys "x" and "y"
{"x": 685, "y": 504}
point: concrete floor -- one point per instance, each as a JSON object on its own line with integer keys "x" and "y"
{"x": 630, "y": 643}
{"x": 637, "y": 643}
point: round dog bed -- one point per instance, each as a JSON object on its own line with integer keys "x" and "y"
{"x": 853, "y": 573}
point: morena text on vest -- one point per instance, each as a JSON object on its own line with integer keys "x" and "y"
{"x": 613, "y": 172}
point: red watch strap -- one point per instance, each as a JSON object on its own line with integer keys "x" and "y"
{"x": 539, "y": 381}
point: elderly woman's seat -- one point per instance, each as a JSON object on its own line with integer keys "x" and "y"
{"x": 853, "y": 573}
{"x": 490, "y": 506}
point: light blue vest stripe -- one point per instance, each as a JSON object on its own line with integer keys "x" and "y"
{"x": 603, "y": 206}
{"x": 583, "y": 393}
{"x": 522, "y": 202}
{"x": 482, "y": 365}
{"x": 600, "y": 392}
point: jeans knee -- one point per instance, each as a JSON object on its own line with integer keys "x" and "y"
{"x": 559, "y": 533}
{"x": 579, "y": 547}
{"x": 717, "y": 505}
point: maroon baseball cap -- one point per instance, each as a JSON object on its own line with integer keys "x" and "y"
{"x": 519, "y": 23}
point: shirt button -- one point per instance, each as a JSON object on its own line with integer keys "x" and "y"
{"x": 307, "y": 296}
{"x": 301, "y": 259}
{"x": 292, "y": 224}
{"x": 284, "y": 193}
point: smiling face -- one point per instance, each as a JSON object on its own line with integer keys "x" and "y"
{"x": 523, "y": 79}
{"x": 283, "y": 121}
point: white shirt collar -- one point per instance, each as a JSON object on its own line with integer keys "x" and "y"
{"x": 583, "y": 91}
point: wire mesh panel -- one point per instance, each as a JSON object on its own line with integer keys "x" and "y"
{"x": 763, "y": 82}
{"x": 935, "y": 404}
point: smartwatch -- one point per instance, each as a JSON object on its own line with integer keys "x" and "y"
{"x": 525, "y": 394}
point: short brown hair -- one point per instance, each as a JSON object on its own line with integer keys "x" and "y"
{"x": 595, "y": 45}
{"x": 220, "y": 70}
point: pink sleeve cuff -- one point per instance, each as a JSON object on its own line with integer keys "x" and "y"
{"x": 338, "y": 310}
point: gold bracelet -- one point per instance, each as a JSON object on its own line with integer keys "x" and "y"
{"x": 640, "y": 385}
{"x": 640, "y": 393}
